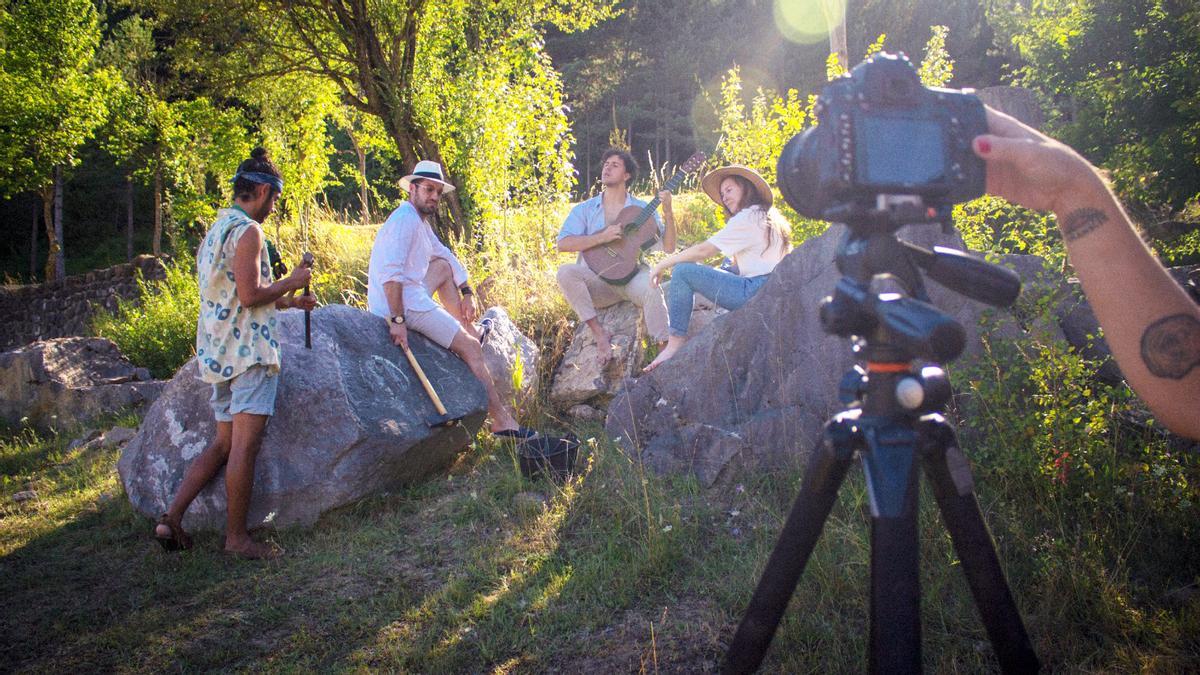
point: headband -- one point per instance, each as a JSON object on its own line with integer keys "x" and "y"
{"x": 259, "y": 177}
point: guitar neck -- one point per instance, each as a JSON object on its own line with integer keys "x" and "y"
{"x": 648, "y": 210}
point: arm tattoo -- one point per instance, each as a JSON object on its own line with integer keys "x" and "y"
{"x": 1171, "y": 346}
{"x": 1080, "y": 222}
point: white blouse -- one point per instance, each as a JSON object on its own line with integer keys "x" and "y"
{"x": 744, "y": 239}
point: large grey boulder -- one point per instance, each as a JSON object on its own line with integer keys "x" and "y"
{"x": 349, "y": 421}
{"x": 54, "y": 384}
{"x": 581, "y": 377}
{"x": 754, "y": 389}
{"x": 512, "y": 359}
{"x": 582, "y": 386}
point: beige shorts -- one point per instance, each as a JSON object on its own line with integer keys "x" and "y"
{"x": 436, "y": 324}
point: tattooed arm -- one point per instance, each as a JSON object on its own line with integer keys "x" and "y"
{"x": 1150, "y": 323}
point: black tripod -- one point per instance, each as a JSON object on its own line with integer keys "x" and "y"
{"x": 892, "y": 420}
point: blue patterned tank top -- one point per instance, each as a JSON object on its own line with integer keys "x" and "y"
{"x": 230, "y": 338}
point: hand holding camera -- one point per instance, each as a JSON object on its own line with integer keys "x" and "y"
{"x": 1033, "y": 170}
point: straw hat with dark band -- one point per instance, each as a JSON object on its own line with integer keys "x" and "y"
{"x": 711, "y": 183}
{"x": 426, "y": 170}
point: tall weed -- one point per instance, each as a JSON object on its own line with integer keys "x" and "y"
{"x": 340, "y": 251}
{"x": 158, "y": 329}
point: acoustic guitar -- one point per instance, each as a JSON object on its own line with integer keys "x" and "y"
{"x": 618, "y": 261}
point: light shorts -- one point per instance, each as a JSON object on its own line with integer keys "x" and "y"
{"x": 250, "y": 392}
{"x": 436, "y": 324}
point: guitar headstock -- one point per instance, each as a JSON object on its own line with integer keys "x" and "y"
{"x": 694, "y": 162}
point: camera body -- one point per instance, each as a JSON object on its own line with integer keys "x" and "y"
{"x": 881, "y": 132}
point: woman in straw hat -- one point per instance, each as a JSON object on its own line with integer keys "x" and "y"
{"x": 755, "y": 237}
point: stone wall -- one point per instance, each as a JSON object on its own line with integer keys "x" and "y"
{"x": 63, "y": 308}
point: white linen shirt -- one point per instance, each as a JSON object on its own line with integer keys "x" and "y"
{"x": 403, "y": 248}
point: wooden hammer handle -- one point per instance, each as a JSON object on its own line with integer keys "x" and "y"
{"x": 437, "y": 402}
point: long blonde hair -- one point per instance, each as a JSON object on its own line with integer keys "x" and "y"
{"x": 777, "y": 225}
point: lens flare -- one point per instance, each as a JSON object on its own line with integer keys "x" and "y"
{"x": 808, "y": 21}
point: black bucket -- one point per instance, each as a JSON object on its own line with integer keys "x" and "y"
{"x": 549, "y": 455}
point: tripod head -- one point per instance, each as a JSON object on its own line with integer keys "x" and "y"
{"x": 899, "y": 327}
{"x": 892, "y": 329}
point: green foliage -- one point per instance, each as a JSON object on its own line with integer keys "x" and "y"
{"x": 937, "y": 68}
{"x": 993, "y": 226}
{"x": 158, "y": 329}
{"x": 1043, "y": 423}
{"x": 203, "y": 145}
{"x": 294, "y": 112}
{"x": 497, "y": 112}
{"x": 1122, "y": 80}
{"x": 52, "y": 97}
{"x": 340, "y": 255}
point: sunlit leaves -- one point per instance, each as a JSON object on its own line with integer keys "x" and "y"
{"x": 52, "y": 97}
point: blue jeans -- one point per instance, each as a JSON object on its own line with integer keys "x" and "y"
{"x": 723, "y": 288}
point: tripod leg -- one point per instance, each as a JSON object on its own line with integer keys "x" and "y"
{"x": 950, "y": 478}
{"x": 895, "y": 595}
{"x": 824, "y": 475}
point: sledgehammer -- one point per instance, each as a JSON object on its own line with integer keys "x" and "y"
{"x": 442, "y": 419}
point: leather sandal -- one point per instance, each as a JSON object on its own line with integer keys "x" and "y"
{"x": 178, "y": 540}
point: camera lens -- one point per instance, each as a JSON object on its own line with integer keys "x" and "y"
{"x": 798, "y": 174}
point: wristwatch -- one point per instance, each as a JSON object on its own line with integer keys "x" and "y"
{"x": 398, "y": 320}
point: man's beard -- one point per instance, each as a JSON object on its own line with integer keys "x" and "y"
{"x": 426, "y": 210}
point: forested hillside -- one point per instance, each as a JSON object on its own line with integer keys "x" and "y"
{"x": 122, "y": 122}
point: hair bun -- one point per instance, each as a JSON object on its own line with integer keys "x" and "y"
{"x": 259, "y": 153}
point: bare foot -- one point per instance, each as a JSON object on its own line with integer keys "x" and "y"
{"x": 248, "y": 549}
{"x": 673, "y": 345}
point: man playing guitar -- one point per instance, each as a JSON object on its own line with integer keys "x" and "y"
{"x": 594, "y": 222}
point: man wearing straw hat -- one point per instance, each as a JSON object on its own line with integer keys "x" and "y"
{"x": 408, "y": 265}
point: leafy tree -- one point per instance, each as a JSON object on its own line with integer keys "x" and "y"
{"x": 1122, "y": 81}
{"x": 52, "y": 99}
{"x": 200, "y": 153}
{"x": 172, "y": 142}
{"x": 384, "y": 59}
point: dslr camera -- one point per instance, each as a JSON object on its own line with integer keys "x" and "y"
{"x": 881, "y": 132}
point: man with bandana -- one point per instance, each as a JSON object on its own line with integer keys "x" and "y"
{"x": 238, "y": 352}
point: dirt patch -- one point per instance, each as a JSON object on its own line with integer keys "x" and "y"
{"x": 689, "y": 636}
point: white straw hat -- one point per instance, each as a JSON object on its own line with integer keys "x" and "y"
{"x": 426, "y": 170}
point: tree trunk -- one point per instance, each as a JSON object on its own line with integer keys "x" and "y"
{"x": 47, "y": 195}
{"x": 60, "y": 261}
{"x": 413, "y": 141}
{"x": 52, "y": 212}
{"x": 364, "y": 189}
{"x": 128, "y": 217}
{"x": 33, "y": 247}
{"x": 156, "y": 246}
{"x": 837, "y": 32}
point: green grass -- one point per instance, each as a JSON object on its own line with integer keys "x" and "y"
{"x": 620, "y": 571}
